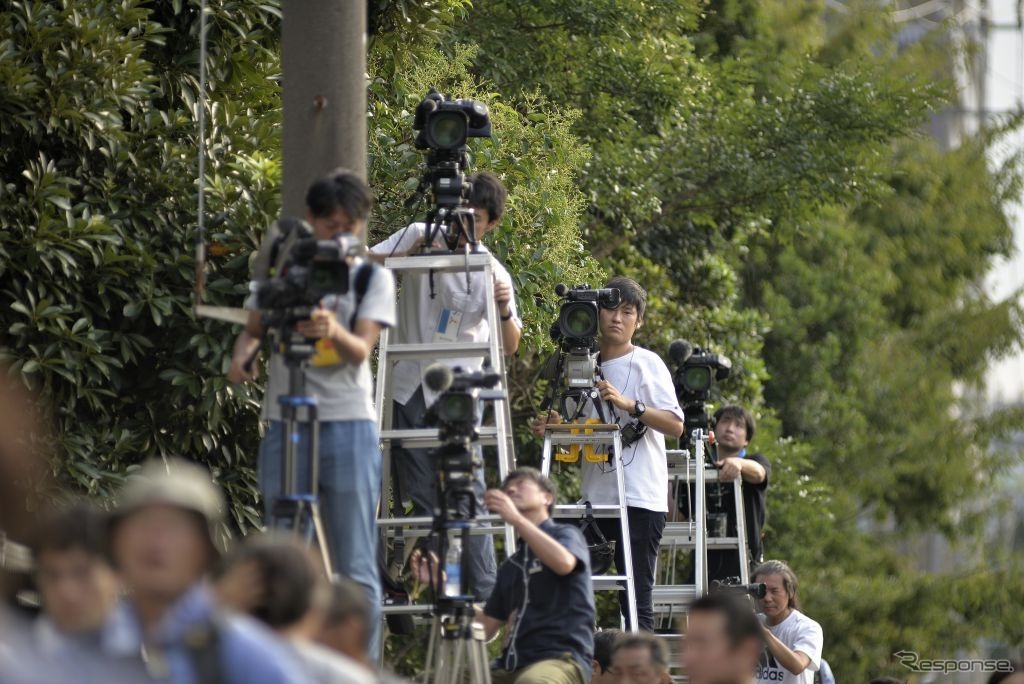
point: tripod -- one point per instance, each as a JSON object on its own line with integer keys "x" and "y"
{"x": 293, "y": 509}
{"x": 457, "y": 649}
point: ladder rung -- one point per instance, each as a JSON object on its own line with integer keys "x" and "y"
{"x": 600, "y": 510}
{"x": 439, "y": 262}
{"x": 408, "y": 609}
{"x": 437, "y": 350}
{"x": 674, "y": 595}
{"x": 608, "y": 582}
{"x": 426, "y": 438}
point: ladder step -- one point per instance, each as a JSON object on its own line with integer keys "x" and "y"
{"x": 608, "y": 582}
{"x": 426, "y": 438}
{"x": 437, "y": 350}
{"x": 674, "y": 595}
{"x": 439, "y": 262}
{"x": 600, "y": 510}
{"x": 407, "y": 609}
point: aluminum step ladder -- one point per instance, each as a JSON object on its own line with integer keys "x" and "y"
{"x": 499, "y": 435}
{"x": 672, "y": 594}
{"x": 598, "y": 437}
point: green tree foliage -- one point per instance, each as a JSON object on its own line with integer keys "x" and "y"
{"x": 98, "y": 150}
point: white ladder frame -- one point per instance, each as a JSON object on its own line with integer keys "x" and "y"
{"x": 600, "y": 435}
{"x": 499, "y": 435}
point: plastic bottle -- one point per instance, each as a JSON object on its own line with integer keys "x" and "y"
{"x": 453, "y": 568}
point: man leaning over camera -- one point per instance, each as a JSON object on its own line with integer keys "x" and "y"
{"x": 793, "y": 640}
{"x": 453, "y": 315}
{"x": 543, "y": 595}
{"x": 638, "y": 385}
{"x": 345, "y": 328}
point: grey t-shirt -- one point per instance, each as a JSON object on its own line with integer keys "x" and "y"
{"x": 344, "y": 391}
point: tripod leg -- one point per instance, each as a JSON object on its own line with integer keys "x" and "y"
{"x": 321, "y": 539}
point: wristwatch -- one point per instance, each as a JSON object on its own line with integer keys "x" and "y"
{"x": 639, "y": 409}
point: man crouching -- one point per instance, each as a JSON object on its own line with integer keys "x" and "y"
{"x": 543, "y": 594}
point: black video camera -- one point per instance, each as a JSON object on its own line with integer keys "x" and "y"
{"x": 731, "y": 585}
{"x": 695, "y": 375}
{"x": 456, "y": 412}
{"x": 313, "y": 269}
{"x": 444, "y": 127}
{"x": 576, "y": 330}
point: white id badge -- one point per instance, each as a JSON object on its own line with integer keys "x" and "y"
{"x": 447, "y": 329}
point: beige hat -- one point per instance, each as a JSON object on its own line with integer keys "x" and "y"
{"x": 172, "y": 482}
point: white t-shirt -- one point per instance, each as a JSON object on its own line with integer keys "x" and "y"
{"x": 344, "y": 391}
{"x": 799, "y": 633}
{"x": 419, "y": 315}
{"x": 640, "y": 374}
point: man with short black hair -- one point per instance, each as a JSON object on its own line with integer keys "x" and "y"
{"x": 794, "y": 641}
{"x": 444, "y": 308}
{"x": 543, "y": 594}
{"x": 640, "y": 658}
{"x": 346, "y": 627}
{"x": 722, "y": 641}
{"x": 77, "y": 585}
{"x": 604, "y": 646}
{"x": 734, "y": 428}
{"x": 345, "y": 329}
{"x": 638, "y": 385}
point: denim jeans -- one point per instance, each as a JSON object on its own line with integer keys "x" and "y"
{"x": 417, "y": 480}
{"x": 645, "y": 530}
{"x": 350, "y": 471}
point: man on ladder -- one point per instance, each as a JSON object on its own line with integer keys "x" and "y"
{"x": 438, "y": 308}
{"x": 638, "y": 385}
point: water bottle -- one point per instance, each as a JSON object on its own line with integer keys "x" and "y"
{"x": 453, "y": 568}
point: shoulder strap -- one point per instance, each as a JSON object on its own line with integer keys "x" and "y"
{"x": 588, "y": 525}
{"x": 361, "y": 285}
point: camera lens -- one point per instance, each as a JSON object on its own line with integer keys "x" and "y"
{"x": 697, "y": 379}
{"x": 578, "y": 319}
{"x": 457, "y": 408}
{"x": 447, "y": 130}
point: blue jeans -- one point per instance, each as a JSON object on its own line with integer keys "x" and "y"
{"x": 350, "y": 472}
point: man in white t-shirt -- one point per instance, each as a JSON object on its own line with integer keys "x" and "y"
{"x": 439, "y": 308}
{"x": 638, "y": 385}
{"x": 793, "y": 640}
{"x": 345, "y": 329}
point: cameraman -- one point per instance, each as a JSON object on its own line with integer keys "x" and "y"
{"x": 638, "y": 385}
{"x": 346, "y": 329}
{"x": 794, "y": 641}
{"x": 734, "y": 428}
{"x": 543, "y": 591}
{"x": 464, "y": 316}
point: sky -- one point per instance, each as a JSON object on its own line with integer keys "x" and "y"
{"x": 1005, "y": 91}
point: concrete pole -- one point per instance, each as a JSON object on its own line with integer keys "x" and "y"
{"x": 324, "y": 65}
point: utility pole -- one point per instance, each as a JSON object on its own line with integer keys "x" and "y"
{"x": 324, "y": 65}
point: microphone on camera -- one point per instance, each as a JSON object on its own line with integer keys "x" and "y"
{"x": 438, "y": 377}
{"x": 679, "y": 351}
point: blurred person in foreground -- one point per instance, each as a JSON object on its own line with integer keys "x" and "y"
{"x": 78, "y": 588}
{"x": 640, "y": 659}
{"x": 274, "y": 579}
{"x": 793, "y": 640}
{"x": 163, "y": 545}
{"x": 722, "y": 641}
{"x": 604, "y": 646}
{"x": 543, "y": 592}
{"x": 346, "y": 626}
{"x": 1015, "y": 675}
